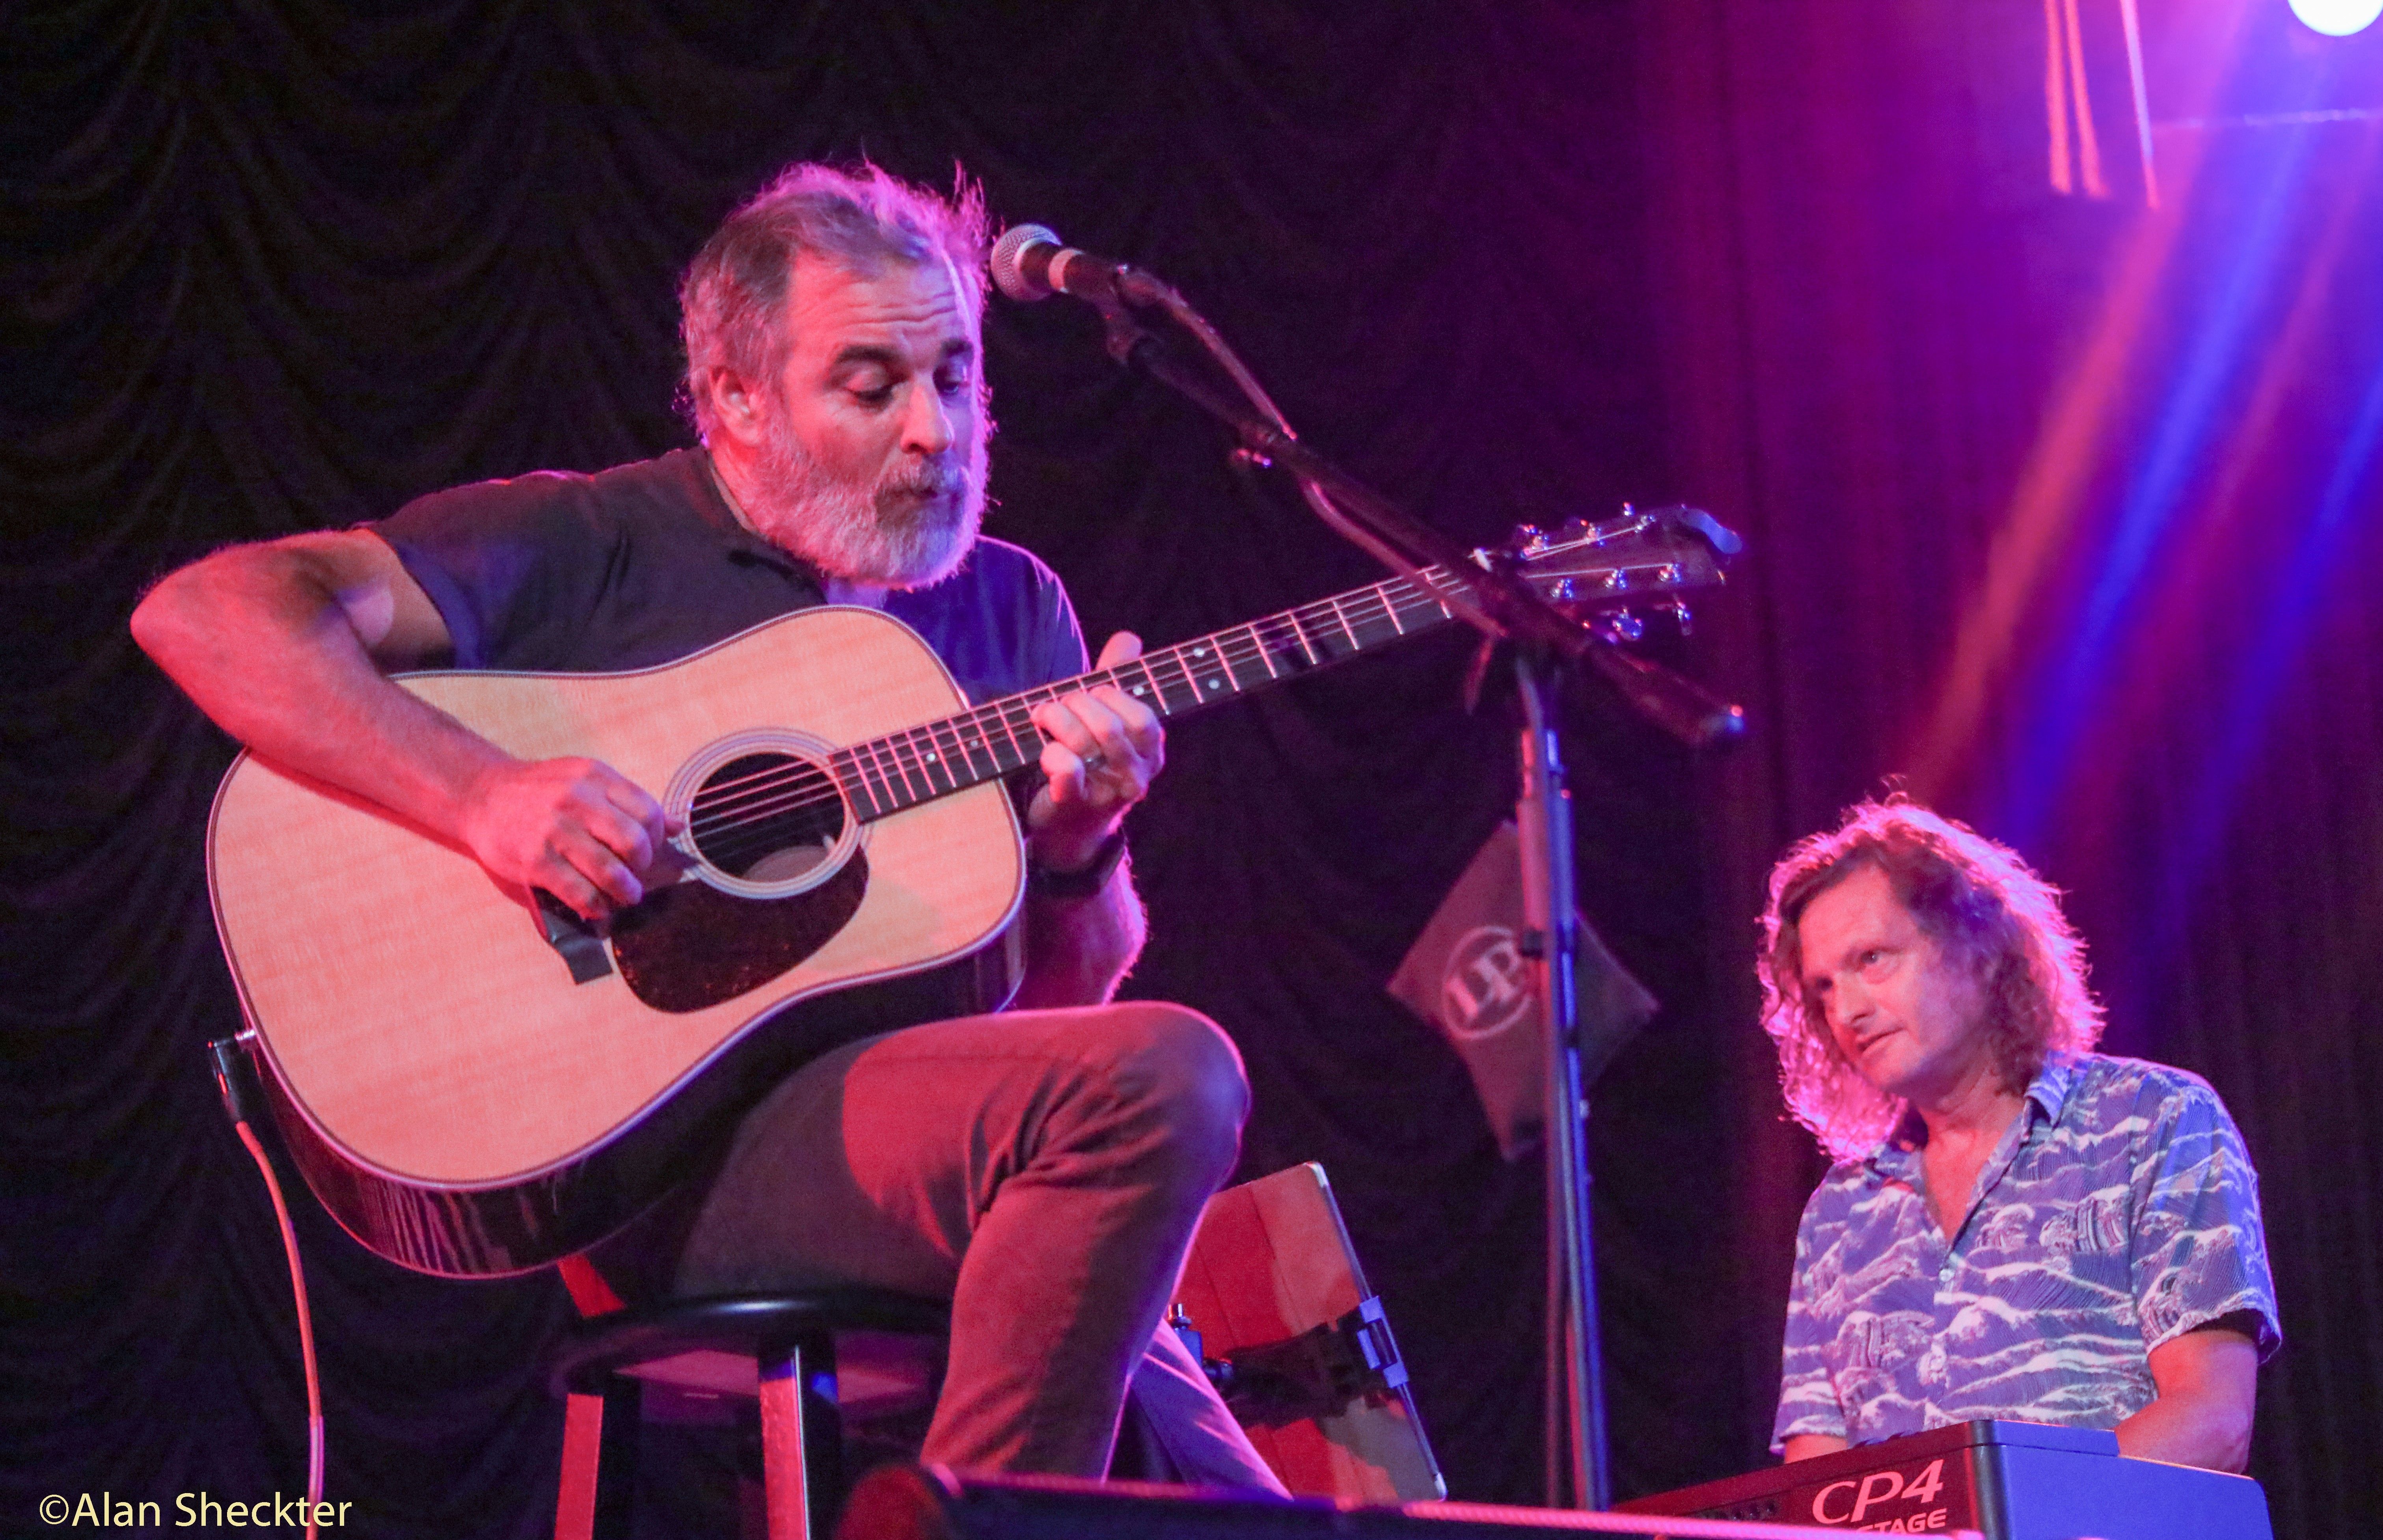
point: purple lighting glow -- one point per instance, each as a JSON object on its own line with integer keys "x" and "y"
{"x": 2336, "y": 18}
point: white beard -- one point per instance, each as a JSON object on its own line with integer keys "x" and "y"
{"x": 875, "y": 534}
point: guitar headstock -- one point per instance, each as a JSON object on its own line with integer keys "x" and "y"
{"x": 1644, "y": 558}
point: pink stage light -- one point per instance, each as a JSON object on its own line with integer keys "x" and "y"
{"x": 2336, "y": 18}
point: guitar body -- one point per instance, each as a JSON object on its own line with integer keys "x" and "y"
{"x": 457, "y": 1094}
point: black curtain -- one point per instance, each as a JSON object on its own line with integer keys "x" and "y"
{"x": 273, "y": 268}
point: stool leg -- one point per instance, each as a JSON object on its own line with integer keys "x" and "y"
{"x": 802, "y": 1439}
{"x": 599, "y": 1463}
{"x": 583, "y": 1445}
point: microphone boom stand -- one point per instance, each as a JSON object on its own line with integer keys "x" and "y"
{"x": 1547, "y": 644}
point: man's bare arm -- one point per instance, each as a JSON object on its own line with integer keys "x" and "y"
{"x": 284, "y": 645}
{"x": 1078, "y": 951}
{"x": 2208, "y": 1381}
{"x": 1105, "y": 749}
{"x": 1804, "y": 1446}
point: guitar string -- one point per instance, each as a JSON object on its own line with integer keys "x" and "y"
{"x": 734, "y": 828}
{"x": 766, "y": 798}
{"x": 753, "y": 826}
{"x": 759, "y": 801}
{"x": 1239, "y": 649}
{"x": 1258, "y": 642}
{"x": 899, "y": 768}
{"x": 772, "y": 796}
{"x": 1387, "y": 599}
{"x": 713, "y": 790}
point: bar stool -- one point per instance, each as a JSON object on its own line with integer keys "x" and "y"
{"x": 780, "y": 1346}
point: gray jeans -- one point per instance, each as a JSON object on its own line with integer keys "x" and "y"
{"x": 1044, "y": 1170}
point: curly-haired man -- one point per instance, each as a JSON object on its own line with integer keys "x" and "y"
{"x": 2016, "y": 1225}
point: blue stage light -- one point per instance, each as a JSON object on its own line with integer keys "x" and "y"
{"x": 2337, "y": 18}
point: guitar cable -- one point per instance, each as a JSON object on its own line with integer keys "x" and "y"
{"x": 233, "y": 1068}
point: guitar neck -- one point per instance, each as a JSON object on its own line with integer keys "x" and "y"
{"x": 884, "y": 775}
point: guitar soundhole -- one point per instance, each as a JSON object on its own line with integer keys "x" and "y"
{"x": 766, "y": 816}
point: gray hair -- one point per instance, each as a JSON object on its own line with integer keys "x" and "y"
{"x": 733, "y": 299}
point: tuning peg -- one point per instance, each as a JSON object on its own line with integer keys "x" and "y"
{"x": 1680, "y": 616}
{"x": 1626, "y": 626}
{"x": 1528, "y": 539}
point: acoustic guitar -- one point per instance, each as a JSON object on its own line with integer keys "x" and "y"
{"x": 474, "y": 1082}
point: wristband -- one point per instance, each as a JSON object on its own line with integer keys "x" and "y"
{"x": 1043, "y": 882}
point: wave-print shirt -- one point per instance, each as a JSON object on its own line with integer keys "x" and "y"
{"x": 2119, "y": 1210}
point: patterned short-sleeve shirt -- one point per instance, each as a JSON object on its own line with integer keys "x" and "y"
{"x": 2118, "y": 1211}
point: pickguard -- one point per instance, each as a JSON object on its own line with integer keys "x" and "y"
{"x": 689, "y": 945}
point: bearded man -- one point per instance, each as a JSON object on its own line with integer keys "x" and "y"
{"x": 2016, "y": 1227}
{"x": 1044, "y": 1169}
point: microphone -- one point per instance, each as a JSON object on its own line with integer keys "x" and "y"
{"x": 1030, "y": 264}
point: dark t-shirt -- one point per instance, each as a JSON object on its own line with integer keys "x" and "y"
{"x": 643, "y": 564}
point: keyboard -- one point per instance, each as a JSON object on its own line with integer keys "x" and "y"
{"x": 2008, "y": 1480}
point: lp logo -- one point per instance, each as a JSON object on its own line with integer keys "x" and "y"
{"x": 1484, "y": 988}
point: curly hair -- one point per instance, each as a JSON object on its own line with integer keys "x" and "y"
{"x": 732, "y": 298}
{"x": 1975, "y": 899}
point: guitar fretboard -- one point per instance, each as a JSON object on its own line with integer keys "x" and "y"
{"x": 903, "y": 770}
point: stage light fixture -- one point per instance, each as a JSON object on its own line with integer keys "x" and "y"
{"x": 2336, "y": 18}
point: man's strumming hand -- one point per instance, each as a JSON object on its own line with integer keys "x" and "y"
{"x": 576, "y": 828}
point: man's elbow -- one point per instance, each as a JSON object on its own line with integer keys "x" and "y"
{"x": 2220, "y": 1441}
{"x": 161, "y": 622}
{"x": 1121, "y": 943}
{"x": 197, "y": 621}
{"x": 2229, "y": 1440}
{"x": 1099, "y": 961}
{"x": 1080, "y": 958}
{"x": 2188, "y": 1428}
{"x": 2208, "y": 1390}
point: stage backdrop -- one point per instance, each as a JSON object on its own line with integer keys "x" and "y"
{"x": 2065, "y": 509}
